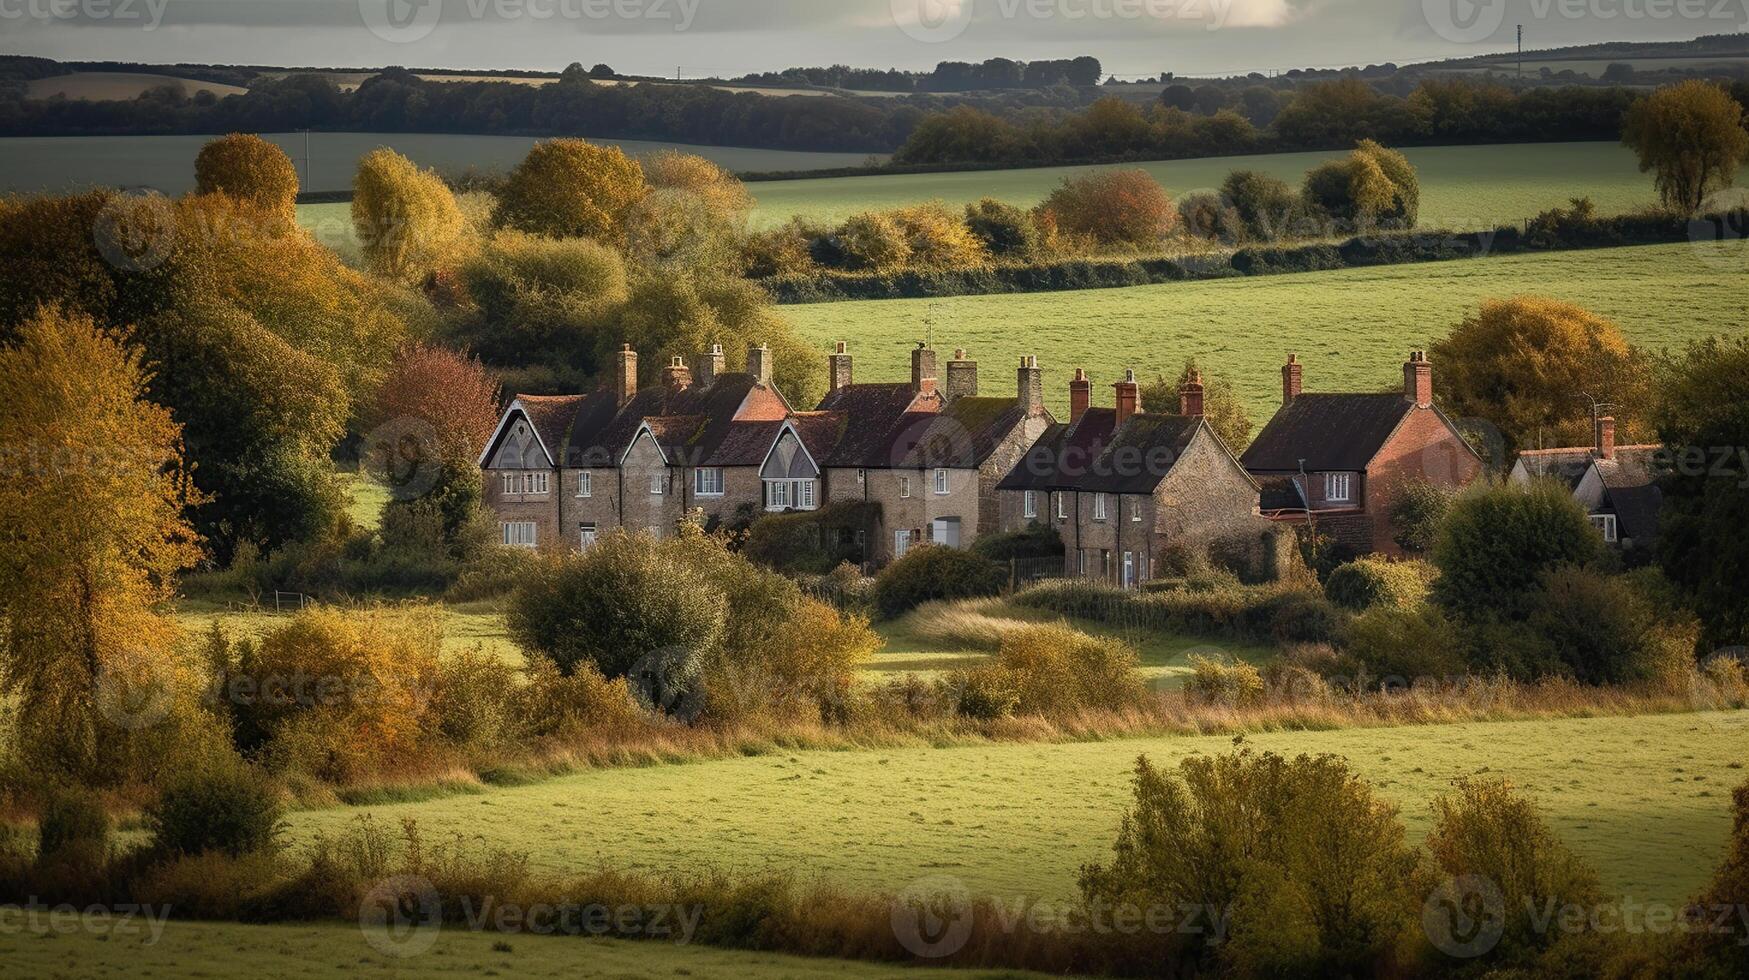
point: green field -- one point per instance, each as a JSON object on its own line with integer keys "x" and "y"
{"x": 1647, "y": 800}
{"x": 1351, "y": 327}
{"x": 1462, "y": 187}
{"x": 193, "y": 949}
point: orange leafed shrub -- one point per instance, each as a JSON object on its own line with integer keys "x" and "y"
{"x": 1112, "y": 207}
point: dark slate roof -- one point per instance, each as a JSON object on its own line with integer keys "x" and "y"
{"x": 1042, "y": 466}
{"x": 594, "y": 430}
{"x": 1630, "y": 481}
{"x": 879, "y": 412}
{"x": 745, "y": 443}
{"x": 551, "y": 417}
{"x": 1140, "y": 453}
{"x": 961, "y": 435}
{"x": 678, "y": 435}
{"x": 1328, "y": 431}
{"x": 1566, "y": 465}
{"x": 1280, "y": 493}
{"x": 820, "y": 432}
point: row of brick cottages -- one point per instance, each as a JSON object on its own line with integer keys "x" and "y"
{"x": 932, "y": 459}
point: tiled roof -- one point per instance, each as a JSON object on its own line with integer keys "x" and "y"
{"x": 879, "y": 411}
{"x": 962, "y": 435}
{"x": 820, "y": 432}
{"x": 1566, "y": 465}
{"x": 1140, "y": 453}
{"x": 1630, "y": 479}
{"x": 1326, "y": 432}
{"x": 745, "y": 443}
{"x": 551, "y": 417}
{"x": 594, "y": 430}
{"x": 1042, "y": 468}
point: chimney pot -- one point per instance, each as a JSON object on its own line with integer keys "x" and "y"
{"x": 1128, "y": 394}
{"x": 708, "y": 366}
{"x": 1190, "y": 395}
{"x": 677, "y": 375}
{"x": 1080, "y": 394}
{"x": 1605, "y": 437}
{"x": 1290, "y": 379}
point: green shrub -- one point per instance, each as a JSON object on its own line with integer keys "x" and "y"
{"x": 1498, "y": 540}
{"x": 224, "y": 806}
{"x": 1416, "y": 513}
{"x": 1486, "y": 832}
{"x": 1408, "y": 642}
{"x": 1596, "y": 624}
{"x": 1033, "y": 541}
{"x": 874, "y": 240}
{"x": 474, "y": 701}
{"x": 933, "y": 572}
{"x": 1051, "y": 671}
{"x": 1267, "y": 206}
{"x": 567, "y": 706}
{"x": 1235, "y": 684}
{"x": 1367, "y": 582}
{"x": 1310, "y": 865}
{"x": 1303, "y": 617}
{"x": 1005, "y": 230}
{"x": 795, "y": 544}
{"x": 73, "y": 824}
{"x": 1725, "y": 952}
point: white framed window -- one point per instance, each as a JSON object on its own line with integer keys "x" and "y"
{"x": 1080, "y": 561}
{"x": 901, "y": 543}
{"x": 904, "y": 486}
{"x": 656, "y": 483}
{"x": 1062, "y": 506}
{"x": 518, "y": 534}
{"x": 707, "y": 481}
{"x": 537, "y": 483}
{"x": 776, "y": 494}
{"x": 806, "y": 495}
{"x": 1099, "y": 506}
{"x": 1031, "y": 504}
{"x": 940, "y": 481}
{"x": 1336, "y": 487}
{"x": 585, "y": 536}
{"x": 1605, "y": 524}
{"x": 585, "y": 484}
{"x": 512, "y": 482}
{"x": 861, "y": 476}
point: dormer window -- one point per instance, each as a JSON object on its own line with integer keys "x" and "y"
{"x": 1336, "y": 487}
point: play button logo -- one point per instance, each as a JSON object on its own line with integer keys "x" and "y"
{"x": 1464, "y": 21}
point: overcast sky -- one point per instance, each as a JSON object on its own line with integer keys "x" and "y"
{"x": 730, "y": 37}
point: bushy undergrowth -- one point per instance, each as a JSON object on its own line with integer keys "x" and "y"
{"x": 1367, "y": 582}
{"x": 1211, "y": 606}
{"x": 1050, "y": 671}
{"x": 929, "y": 573}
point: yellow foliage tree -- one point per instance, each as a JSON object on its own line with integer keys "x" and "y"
{"x": 93, "y": 494}
{"x": 571, "y": 188}
{"x": 248, "y": 167}
{"x": 939, "y": 237}
{"x": 1528, "y": 364}
{"x": 406, "y": 219}
{"x": 1692, "y": 135}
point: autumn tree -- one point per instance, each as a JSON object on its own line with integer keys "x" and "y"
{"x": 571, "y": 188}
{"x": 1691, "y": 135}
{"x": 93, "y": 493}
{"x": 406, "y": 219}
{"x": 1372, "y": 187}
{"x": 250, "y": 168}
{"x": 1528, "y": 365}
{"x": 1221, "y": 404}
{"x": 1112, "y": 207}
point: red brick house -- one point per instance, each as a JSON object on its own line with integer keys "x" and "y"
{"x": 1337, "y": 460}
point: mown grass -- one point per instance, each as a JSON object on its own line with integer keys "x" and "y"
{"x": 1646, "y": 799}
{"x": 331, "y": 949}
{"x": 1352, "y": 327}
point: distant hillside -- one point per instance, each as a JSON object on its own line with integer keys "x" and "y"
{"x": 1713, "y": 53}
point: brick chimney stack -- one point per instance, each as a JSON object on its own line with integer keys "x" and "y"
{"x": 962, "y": 376}
{"x": 759, "y": 364}
{"x": 677, "y": 375}
{"x": 1128, "y": 396}
{"x": 1080, "y": 395}
{"x": 1290, "y": 380}
{"x": 1030, "y": 387}
{"x": 1418, "y": 379}
{"x": 838, "y": 366}
{"x": 922, "y": 369}
{"x": 1190, "y": 395}
{"x": 708, "y": 366}
{"x": 1605, "y": 437}
{"x": 625, "y": 374}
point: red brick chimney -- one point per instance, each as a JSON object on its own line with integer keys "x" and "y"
{"x": 1190, "y": 395}
{"x": 677, "y": 375}
{"x": 1080, "y": 394}
{"x": 1290, "y": 379}
{"x": 1128, "y": 394}
{"x": 1605, "y": 437}
{"x": 1418, "y": 379}
{"x": 838, "y": 366}
{"x": 922, "y": 369}
{"x": 625, "y": 374}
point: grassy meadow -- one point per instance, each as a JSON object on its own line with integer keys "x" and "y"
{"x": 1645, "y": 799}
{"x": 1462, "y": 187}
{"x": 1351, "y": 327}
{"x": 188, "y": 948}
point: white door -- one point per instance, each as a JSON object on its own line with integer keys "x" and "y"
{"x": 901, "y": 543}
{"x": 1129, "y": 569}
